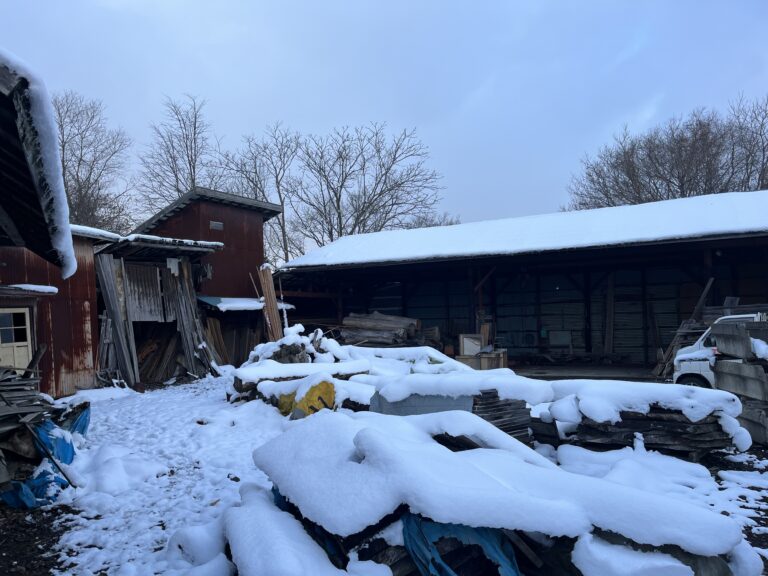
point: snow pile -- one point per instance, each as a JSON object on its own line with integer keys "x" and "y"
{"x": 604, "y": 400}
{"x": 460, "y": 383}
{"x": 55, "y": 205}
{"x": 345, "y": 390}
{"x": 366, "y": 465}
{"x": 707, "y": 354}
{"x": 613, "y": 226}
{"x": 240, "y": 304}
{"x": 596, "y": 557}
{"x": 666, "y": 475}
{"x": 760, "y": 348}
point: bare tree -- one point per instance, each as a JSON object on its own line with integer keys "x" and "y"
{"x": 704, "y": 153}
{"x": 359, "y": 180}
{"x": 94, "y": 160}
{"x": 181, "y": 156}
{"x": 432, "y": 220}
{"x": 262, "y": 169}
{"x": 749, "y": 122}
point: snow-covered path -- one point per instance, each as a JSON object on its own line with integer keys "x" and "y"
{"x": 154, "y": 463}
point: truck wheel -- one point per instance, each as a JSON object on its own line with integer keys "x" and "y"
{"x": 694, "y": 380}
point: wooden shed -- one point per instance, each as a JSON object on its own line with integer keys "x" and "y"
{"x": 599, "y": 286}
{"x": 214, "y": 216}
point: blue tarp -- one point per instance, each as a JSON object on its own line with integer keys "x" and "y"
{"x": 44, "y": 486}
{"x": 421, "y": 535}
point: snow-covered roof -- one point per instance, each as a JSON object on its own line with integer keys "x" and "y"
{"x": 26, "y": 99}
{"x": 700, "y": 217}
{"x": 95, "y": 233}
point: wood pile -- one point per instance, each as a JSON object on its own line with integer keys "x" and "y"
{"x": 740, "y": 372}
{"x": 510, "y": 416}
{"x": 667, "y": 431}
{"x": 378, "y": 328}
{"x": 159, "y": 355}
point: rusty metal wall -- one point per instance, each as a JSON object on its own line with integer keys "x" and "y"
{"x": 243, "y": 238}
{"x": 66, "y": 322}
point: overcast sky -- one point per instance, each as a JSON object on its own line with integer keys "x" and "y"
{"x": 509, "y": 96}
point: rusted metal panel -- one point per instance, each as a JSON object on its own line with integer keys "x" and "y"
{"x": 241, "y": 231}
{"x": 144, "y": 299}
{"x": 66, "y": 322}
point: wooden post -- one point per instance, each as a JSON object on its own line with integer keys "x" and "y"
{"x": 644, "y": 307}
{"x": 609, "y": 316}
{"x": 587, "y": 295}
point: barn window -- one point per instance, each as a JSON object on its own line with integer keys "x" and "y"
{"x": 214, "y": 225}
{"x": 15, "y": 337}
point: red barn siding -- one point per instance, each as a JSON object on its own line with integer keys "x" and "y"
{"x": 66, "y": 322}
{"x": 243, "y": 238}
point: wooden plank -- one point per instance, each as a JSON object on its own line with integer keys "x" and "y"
{"x": 105, "y": 274}
{"x": 271, "y": 312}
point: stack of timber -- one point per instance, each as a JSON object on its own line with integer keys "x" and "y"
{"x": 378, "y": 328}
{"x": 510, "y": 416}
{"x": 740, "y": 371}
{"x": 666, "y": 431}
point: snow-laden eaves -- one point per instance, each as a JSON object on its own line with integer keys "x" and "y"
{"x": 40, "y": 143}
{"x": 701, "y": 217}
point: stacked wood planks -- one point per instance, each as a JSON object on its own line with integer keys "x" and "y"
{"x": 378, "y": 328}
{"x": 667, "y": 431}
{"x": 510, "y": 416}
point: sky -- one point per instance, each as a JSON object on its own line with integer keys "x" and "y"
{"x": 509, "y": 96}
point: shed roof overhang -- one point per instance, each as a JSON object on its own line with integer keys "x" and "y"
{"x": 27, "y": 203}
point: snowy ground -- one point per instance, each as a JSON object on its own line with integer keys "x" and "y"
{"x": 172, "y": 458}
{"x": 154, "y": 463}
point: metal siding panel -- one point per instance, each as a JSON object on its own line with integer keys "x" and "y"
{"x": 143, "y": 294}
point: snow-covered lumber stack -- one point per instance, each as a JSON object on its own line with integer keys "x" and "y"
{"x": 414, "y": 491}
{"x": 686, "y": 421}
{"x": 667, "y": 431}
{"x": 378, "y": 328}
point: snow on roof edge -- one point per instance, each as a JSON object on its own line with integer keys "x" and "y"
{"x": 47, "y": 133}
{"x": 669, "y": 220}
{"x": 107, "y": 236}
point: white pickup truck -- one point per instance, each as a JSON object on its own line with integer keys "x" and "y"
{"x": 693, "y": 364}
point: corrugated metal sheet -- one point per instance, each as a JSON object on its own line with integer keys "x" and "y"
{"x": 143, "y": 293}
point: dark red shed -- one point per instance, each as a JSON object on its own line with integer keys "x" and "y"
{"x": 236, "y": 221}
